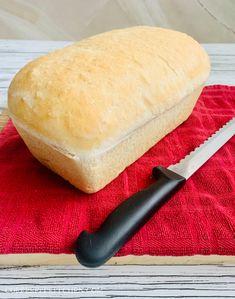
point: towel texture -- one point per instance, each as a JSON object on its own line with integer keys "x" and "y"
{"x": 40, "y": 212}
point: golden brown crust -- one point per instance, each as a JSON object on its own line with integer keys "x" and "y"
{"x": 88, "y": 96}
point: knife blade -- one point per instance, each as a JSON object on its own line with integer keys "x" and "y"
{"x": 194, "y": 160}
{"x": 94, "y": 249}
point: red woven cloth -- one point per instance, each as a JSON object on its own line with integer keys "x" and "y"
{"x": 40, "y": 212}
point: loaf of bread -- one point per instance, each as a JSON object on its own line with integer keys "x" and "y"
{"x": 89, "y": 110}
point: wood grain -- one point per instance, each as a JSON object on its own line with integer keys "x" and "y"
{"x": 3, "y": 118}
{"x": 118, "y": 282}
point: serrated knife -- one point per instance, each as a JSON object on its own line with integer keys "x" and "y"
{"x": 94, "y": 249}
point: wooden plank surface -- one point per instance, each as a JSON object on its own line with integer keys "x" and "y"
{"x": 118, "y": 282}
{"x": 3, "y": 118}
{"x": 201, "y": 281}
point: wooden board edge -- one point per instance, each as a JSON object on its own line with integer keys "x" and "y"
{"x": 33, "y": 259}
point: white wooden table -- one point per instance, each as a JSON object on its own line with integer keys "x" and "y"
{"x": 199, "y": 281}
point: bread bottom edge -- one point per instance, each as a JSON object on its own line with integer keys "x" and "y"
{"x": 35, "y": 259}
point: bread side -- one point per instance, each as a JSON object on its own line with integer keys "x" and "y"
{"x": 93, "y": 173}
{"x": 89, "y": 96}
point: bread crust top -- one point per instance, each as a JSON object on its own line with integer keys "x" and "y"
{"x": 89, "y": 95}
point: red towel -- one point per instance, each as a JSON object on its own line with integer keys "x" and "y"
{"x": 40, "y": 212}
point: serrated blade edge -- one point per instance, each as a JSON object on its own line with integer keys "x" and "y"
{"x": 195, "y": 159}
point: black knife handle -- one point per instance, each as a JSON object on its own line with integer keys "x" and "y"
{"x": 94, "y": 249}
